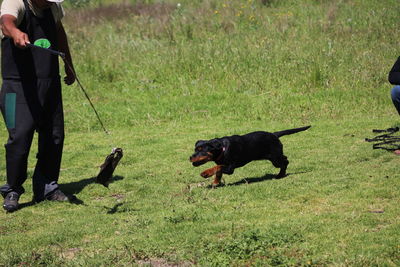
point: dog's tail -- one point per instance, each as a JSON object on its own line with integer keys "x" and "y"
{"x": 291, "y": 131}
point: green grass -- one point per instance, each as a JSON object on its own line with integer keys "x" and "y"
{"x": 169, "y": 76}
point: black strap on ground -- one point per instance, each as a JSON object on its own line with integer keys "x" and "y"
{"x": 387, "y": 140}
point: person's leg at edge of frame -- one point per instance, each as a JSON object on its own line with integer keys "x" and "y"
{"x": 20, "y": 126}
{"x": 396, "y": 97}
{"x": 396, "y": 101}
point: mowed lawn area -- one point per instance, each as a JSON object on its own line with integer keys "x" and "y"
{"x": 164, "y": 74}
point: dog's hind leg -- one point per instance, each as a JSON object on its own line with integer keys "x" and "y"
{"x": 282, "y": 163}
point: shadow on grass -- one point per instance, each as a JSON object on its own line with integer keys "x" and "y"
{"x": 255, "y": 180}
{"x": 73, "y": 188}
{"x": 114, "y": 209}
{"x": 121, "y": 207}
{"x": 71, "y": 199}
{"x": 26, "y": 204}
{"x": 247, "y": 181}
{"x": 77, "y": 187}
{"x": 252, "y": 180}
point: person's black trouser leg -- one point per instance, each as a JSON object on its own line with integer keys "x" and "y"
{"x": 51, "y": 140}
{"x": 25, "y": 109}
{"x": 15, "y": 110}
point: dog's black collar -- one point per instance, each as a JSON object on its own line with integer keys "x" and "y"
{"x": 220, "y": 157}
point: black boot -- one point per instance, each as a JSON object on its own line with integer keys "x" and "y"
{"x": 11, "y": 202}
{"x": 57, "y": 195}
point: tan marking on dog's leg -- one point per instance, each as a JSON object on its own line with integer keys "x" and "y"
{"x": 210, "y": 172}
{"x": 218, "y": 175}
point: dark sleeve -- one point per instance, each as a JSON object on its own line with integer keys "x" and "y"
{"x": 394, "y": 74}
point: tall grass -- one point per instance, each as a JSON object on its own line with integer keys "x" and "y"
{"x": 323, "y": 60}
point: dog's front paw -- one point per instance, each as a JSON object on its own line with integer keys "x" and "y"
{"x": 206, "y": 174}
{"x": 216, "y": 184}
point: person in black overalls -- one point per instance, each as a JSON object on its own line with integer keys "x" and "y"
{"x": 394, "y": 79}
{"x": 31, "y": 101}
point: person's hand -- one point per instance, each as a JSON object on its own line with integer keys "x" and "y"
{"x": 20, "y": 39}
{"x": 69, "y": 77}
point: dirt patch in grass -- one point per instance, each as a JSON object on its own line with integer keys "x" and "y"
{"x": 118, "y": 11}
{"x": 155, "y": 262}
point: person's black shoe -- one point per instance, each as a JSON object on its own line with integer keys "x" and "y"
{"x": 11, "y": 202}
{"x": 57, "y": 195}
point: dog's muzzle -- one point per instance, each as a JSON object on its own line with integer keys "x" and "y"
{"x": 198, "y": 160}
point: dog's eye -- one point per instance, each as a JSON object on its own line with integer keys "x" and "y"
{"x": 198, "y": 148}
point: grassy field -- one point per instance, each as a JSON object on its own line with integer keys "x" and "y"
{"x": 164, "y": 74}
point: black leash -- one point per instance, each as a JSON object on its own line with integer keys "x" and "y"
{"x": 85, "y": 93}
{"x": 51, "y": 51}
{"x": 387, "y": 141}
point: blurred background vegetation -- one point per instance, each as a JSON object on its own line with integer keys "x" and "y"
{"x": 260, "y": 60}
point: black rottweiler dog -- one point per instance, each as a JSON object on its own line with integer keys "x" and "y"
{"x": 231, "y": 152}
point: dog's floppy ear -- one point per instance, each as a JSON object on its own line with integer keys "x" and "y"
{"x": 216, "y": 144}
{"x": 200, "y": 143}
